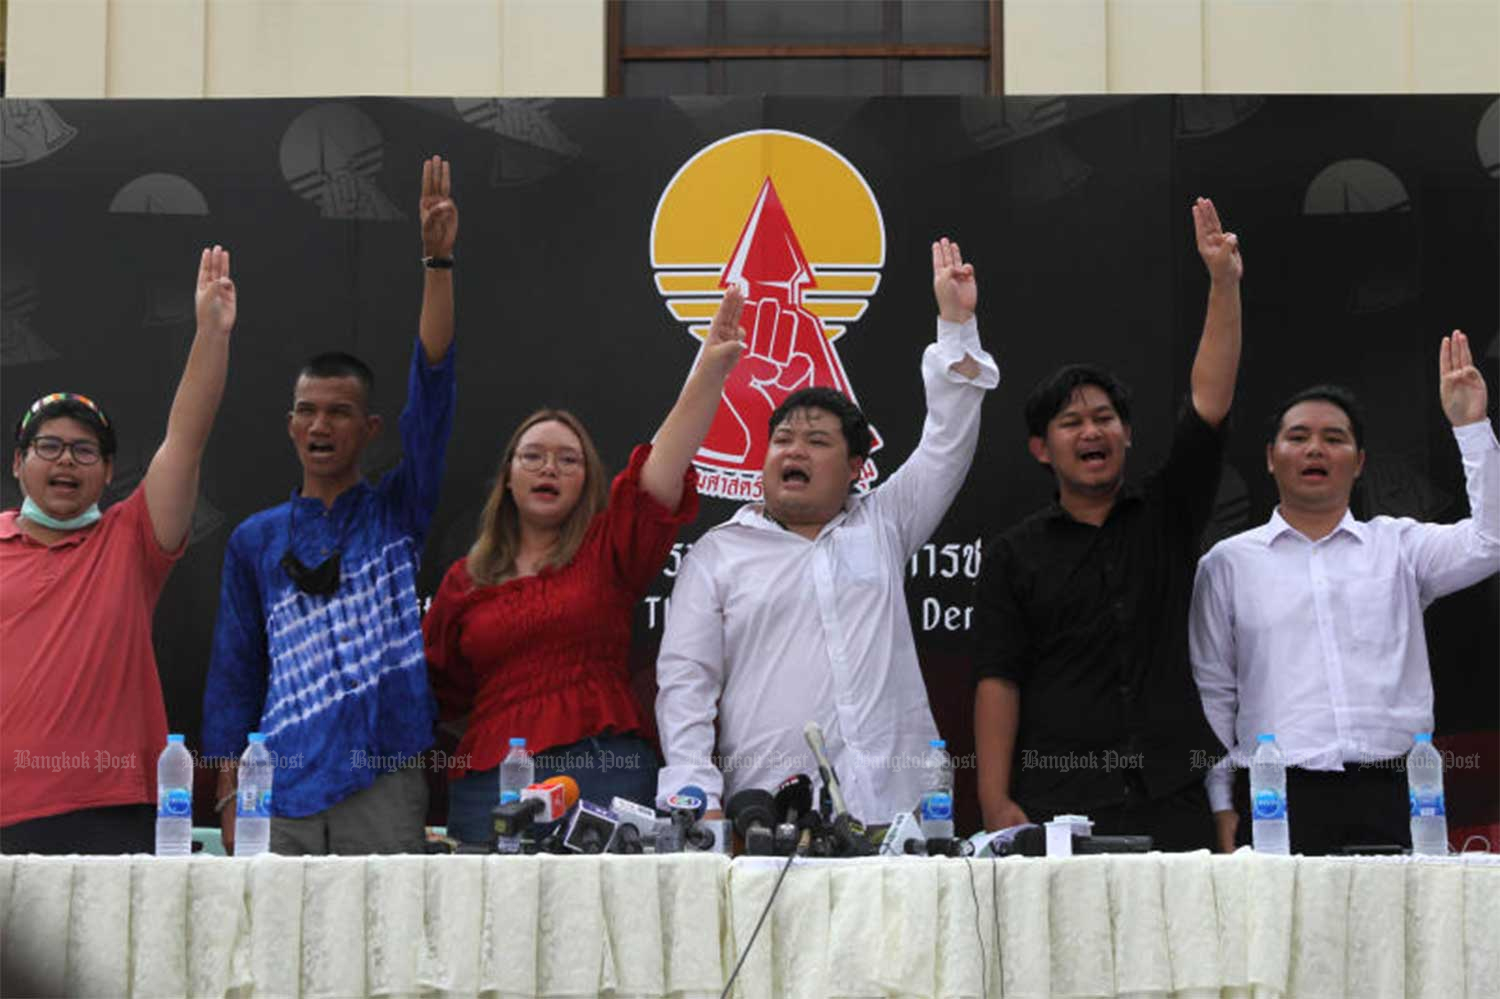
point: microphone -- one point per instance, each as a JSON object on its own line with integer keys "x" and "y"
{"x": 591, "y": 828}
{"x": 637, "y": 817}
{"x": 684, "y": 831}
{"x": 904, "y": 837}
{"x": 813, "y": 733}
{"x": 753, "y": 813}
{"x": 847, "y": 833}
{"x": 627, "y": 840}
{"x": 793, "y": 805}
{"x": 539, "y": 804}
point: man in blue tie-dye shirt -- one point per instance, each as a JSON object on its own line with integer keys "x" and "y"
{"x": 318, "y": 642}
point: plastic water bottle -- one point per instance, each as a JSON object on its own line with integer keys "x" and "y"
{"x": 936, "y": 808}
{"x": 174, "y": 799}
{"x": 516, "y": 770}
{"x": 252, "y": 807}
{"x": 508, "y": 844}
{"x": 1424, "y": 781}
{"x": 1268, "y": 812}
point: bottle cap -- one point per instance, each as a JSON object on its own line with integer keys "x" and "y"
{"x": 175, "y": 737}
{"x": 938, "y": 744}
{"x": 257, "y": 737}
{"x": 517, "y": 741}
{"x": 1422, "y": 737}
{"x": 1266, "y": 737}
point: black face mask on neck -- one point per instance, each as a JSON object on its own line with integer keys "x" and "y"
{"x": 321, "y": 581}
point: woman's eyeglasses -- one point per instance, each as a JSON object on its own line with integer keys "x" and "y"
{"x": 568, "y": 462}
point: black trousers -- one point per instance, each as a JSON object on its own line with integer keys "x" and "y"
{"x": 115, "y": 829}
{"x": 1177, "y": 822}
{"x": 1365, "y": 804}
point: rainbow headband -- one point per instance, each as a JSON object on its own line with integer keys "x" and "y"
{"x": 56, "y": 397}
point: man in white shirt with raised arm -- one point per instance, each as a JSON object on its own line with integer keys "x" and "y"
{"x": 794, "y": 610}
{"x": 1310, "y": 627}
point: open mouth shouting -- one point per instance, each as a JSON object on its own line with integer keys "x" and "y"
{"x": 1314, "y": 473}
{"x": 64, "y": 483}
{"x": 795, "y": 477}
{"x": 546, "y": 490}
{"x": 320, "y": 451}
{"x": 1093, "y": 457}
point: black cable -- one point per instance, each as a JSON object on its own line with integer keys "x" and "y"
{"x": 756, "y": 932}
{"x": 995, "y": 917}
{"x": 984, "y": 964}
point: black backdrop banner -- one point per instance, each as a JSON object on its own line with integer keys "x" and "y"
{"x": 595, "y": 233}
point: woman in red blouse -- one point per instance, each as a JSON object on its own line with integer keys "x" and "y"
{"x": 529, "y": 635}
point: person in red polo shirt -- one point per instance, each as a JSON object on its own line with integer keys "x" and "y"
{"x": 81, "y": 712}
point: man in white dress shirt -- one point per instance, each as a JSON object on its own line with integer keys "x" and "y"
{"x": 794, "y": 609}
{"x": 1310, "y": 627}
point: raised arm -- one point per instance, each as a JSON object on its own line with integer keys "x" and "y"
{"x": 956, "y": 373}
{"x": 1217, "y": 362}
{"x": 439, "y": 230}
{"x": 687, "y": 423}
{"x": 957, "y": 295}
{"x": 1449, "y": 557}
{"x": 172, "y": 480}
{"x": 1461, "y": 387}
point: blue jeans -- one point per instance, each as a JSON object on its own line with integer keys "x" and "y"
{"x": 605, "y": 767}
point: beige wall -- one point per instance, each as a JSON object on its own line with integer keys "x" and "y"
{"x": 251, "y": 48}
{"x": 279, "y": 48}
{"x": 1251, "y": 46}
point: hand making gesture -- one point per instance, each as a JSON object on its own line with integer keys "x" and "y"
{"x": 953, "y": 282}
{"x": 438, "y": 212}
{"x": 214, "y": 300}
{"x": 1220, "y": 250}
{"x": 726, "y": 338}
{"x": 1462, "y": 389}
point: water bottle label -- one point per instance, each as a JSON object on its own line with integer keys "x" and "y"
{"x": 1426, "y": 805}
{"x": 174, "y": 802}
{"x": 251, "y": 805}
{"x": 937, "y": 806}
{"x": 1269, "y": 805}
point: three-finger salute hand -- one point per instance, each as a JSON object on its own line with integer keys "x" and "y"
{"x": 438, "y": 212}
{"x": 1220, "y": 250}
{"x": 726, "y": 338}
{"x": 214, "y": 301}
{"x": 953, "y": 282}
{"x": 1464, "y": 395}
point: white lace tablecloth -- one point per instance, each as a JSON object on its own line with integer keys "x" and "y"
{"x": 1185, "y": 925}
{"x": 341, "y": 927}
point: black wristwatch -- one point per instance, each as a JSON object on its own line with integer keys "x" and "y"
{"x": 438, "y": 263}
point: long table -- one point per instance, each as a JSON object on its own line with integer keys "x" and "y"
{"x": 1189, "y": 925}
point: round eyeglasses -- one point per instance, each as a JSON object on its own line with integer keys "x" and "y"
{"x": 52, "y": 448}
{"x": 568, "y": 461}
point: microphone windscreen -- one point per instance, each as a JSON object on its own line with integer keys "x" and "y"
{"x": 692, "y": 798}
{"x": 795, "y": 793}
{"x": 750, "y": 807}
{"x": 569, "y": 786}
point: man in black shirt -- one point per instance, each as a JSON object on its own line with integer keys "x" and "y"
{"x": 1085, "y": 701}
